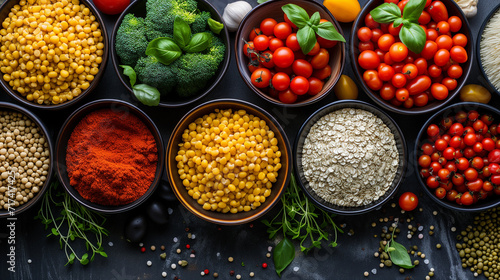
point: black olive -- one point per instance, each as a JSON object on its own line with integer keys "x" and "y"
{"x": 165, "y": 192}
{"x": 158, "y": 212}
{"x": 135, "y": 229}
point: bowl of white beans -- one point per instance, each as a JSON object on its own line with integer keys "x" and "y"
{"x": 25, "y": 159}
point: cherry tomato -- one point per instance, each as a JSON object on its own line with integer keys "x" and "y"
{"x": 267, "y": 26}
{"x": 326, "y": 44}
{"x": 364, "y": 34}
{"x": 398, "y": 52}
{"x": 282, "y": 30}
{"x": 370, "y": 22}
{"x": 455, "y": 23}
{"x": 458, "y": 179}
{"x": 261, "y": 77}
{"x": 387, "y": 92}
{"x": 429, "y": 50}
{"x": 402, "y": 94}
{"x": 111, "y": 7}
{"x": 440, "y": 193}
{"x": 372, "y": 79}
{"x": 323, "y": 73}
{"x": 424, "y": 161}
{"x": 432, "y": 182}
{"x": 402, "y": 5}
{"x": 385, "y": 72}
{"x": 473, "y": 115}
{"x": 488, "y": 144}
{"x": 302, "y": 68}
{"x": 460, "y": 40}
{"x": 451, "y": 195}
{"x": 442, "y": 57}
{"x": 368, "y": 60}
{"x": 427, "y": 149}
{"x": 315, "y": 50}
{"x": 365, "y": 46}
{"x": 434, "y": 71}
{"x": 408, "y": 201}
{"x": 444, "y": 42}
{"x": 421, "y": 99}
{"x": 418, "y": 85}
{"x": 470, "y": 174}
{"x": 292, "y": 42}
{"x": 439, "y": 91}
{"x": 466, "y": 199}
{"x": 261, "y": 42}
{"x": 249, "y": 50}
{"x": 398, "y": 80}
{"x": 443, "y": 27}
{"x": 376, "y": 34}
{"x": 254, "y": 33}
{"x": 449, "y": 153}
{"x": 283, "y": 57}
{"x": 281, "y": 81}
{"x": 394, "y": 31}
{"x": 449, "y": 83}
{"x": 287, "y": 96}
{"x": 275, "y": 43}
{"x": 410, "y": 70}
{"x": 431, "y": 34}
{"x": 438, "y": 11}
{"x": 299, "y": 85}
{"x": 424, "y": 18}
{"x": 315, "y": 86}
{"x": 458, "y": 54}
{"x": 385, "y": 42}
{"x": 421, "y": 64}
{"x": 320, "y": 60}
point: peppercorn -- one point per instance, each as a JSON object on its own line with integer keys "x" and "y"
{"x": 231, "y": 272}
{"x": 216, "y": 274}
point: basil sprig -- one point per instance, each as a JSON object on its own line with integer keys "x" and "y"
{"x": 146, "y": 94}
{"x": 411, "y": 34}
{"x": 309, "y": 27}
{"x": 398, "y": 254}
{"x": 167, "y": 50}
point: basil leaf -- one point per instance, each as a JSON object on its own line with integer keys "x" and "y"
{"x": 148, "y": 95}
{"x": 182, "y": 32}
{"x": 129, "y": 72}
{"x": 397, "y": 22}
{"x": 283, "y": 255}
{"x": 399, "y": 256}
{"x": 296, "y": 14}
{"x": 327, "y": 31}
{"x": 386, "y": 13}
{"x": 413, "y": 9}
{"x": 315, "y": 18}
{"x": 199, "y": 42}
{"x": 306, "y": 38}
{"x": 413, "y": 36}
{"x": 261, "y": 1}
{"x": 215, "y": 26}
{"x": 164, "y": 49}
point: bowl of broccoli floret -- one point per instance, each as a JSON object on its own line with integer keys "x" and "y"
{"x": 176, "y": 75}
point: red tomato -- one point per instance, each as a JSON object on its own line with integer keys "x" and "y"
{"x": 443, "y": 27}
{"x": 283, "y": 57}
{"x": 315, "y": 50}
{"x": 402, "y": 94}
{"x": 287, "y": 96}
{"x": 323, "y": 73}
{"x": 385, "y": 42}
{"x": 385, "y": 72}
{"x": 449, "y": 83}
{"x": 408, "y": 201}
{"x": 440, "y": 193}
{"x": 370, "y": 22}
{"x": 421, "y": 64}
{"x": 394, "y": 31}
{"x": 387, "y": 92}
{"x": 418, "y": 85}
{"x": 302, "y": 68}
{"x": 281, "y": 81}
{"x": 494, "y": 156}
{"x": 398, "y": 80}
{"x": 466, "y": 199}
{"x": 458, "y": 54}
{"x": 261, "y": 42}
{"x": 376, "y": 34}
{"x": 365, "y": 46}
{"x": 439, "y": 91}
{"x": 455, "y": 23}
{"x": 320, "y": 60}
{"x": 398, "y": 52}
{"x": 249, "y": 50}
{"x": 444, "y": 42}
{"x": 282, "y": 30}
{"x": 267, "y": 26}
{"x": 111, "y": 7}
{"x": 438, "y": 11}
{"x": 431, "y": 34}
{"x": 460, "y": 40}
{"x": 410, "y": 70}
{"x": 455, "y": 71}
{"x": 372, "y": 79}
{"x": 421, "y": 99}
{"x": 261, "y": 77}
{"x": 292, "y": 43}
{"x": 315, "y": 86}
{"x": 424, "y": 18}
{"x": 364, "y": 34}
{"x": 368, "y": 60}
{"x": 442, "y": 57}
{"x": 275, "y": 43}
{"x": 299, "y": 85}
{"x": 402, "y": 5}
{"x": 430, "y": 50}
{"x": 324, "y": 43}
{"x": 434, "y": 71}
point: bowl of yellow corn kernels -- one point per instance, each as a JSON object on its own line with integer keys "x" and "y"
{"x": 52, "y": 54}
{"x": 228, "y": 161}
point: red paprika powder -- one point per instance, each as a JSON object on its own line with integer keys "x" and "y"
{"x": 111, "y": 157}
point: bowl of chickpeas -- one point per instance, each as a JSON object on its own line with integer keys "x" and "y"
{"x": 25, "y": 159}
{"x": 228, "y": 161}
{"x": 52, "y": 54}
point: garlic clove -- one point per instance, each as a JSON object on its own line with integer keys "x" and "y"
{"x": 234, "y": 14}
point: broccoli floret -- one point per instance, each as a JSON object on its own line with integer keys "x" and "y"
{"x": 200, "y": 23}
{"x": 161, "y": 13}
{"x": 156, "y": 74}
{"x": 196, "y": 69}
{"x": 131, "y": 41}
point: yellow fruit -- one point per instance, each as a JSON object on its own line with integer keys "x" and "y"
{"x": 475, "y": 93}
{"x": 345, "y": 88}
{"x": 343, "y": 10}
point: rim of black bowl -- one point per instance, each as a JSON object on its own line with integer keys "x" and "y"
{"x": 16, "y": 108}
{"x": 253, "y": 214}
{"x": 478, "y": 49}
{"x": 273, "y": 100}
{"x": 102, "y": 67}
{"x": 438, "y": 116}
{"x": 430, "y": 107}
{"x": 66, "y": 131}
{"x": 402, "y": 149}
{"x": 182, "y": 102}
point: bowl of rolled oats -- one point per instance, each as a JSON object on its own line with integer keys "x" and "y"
{"x": 350, "y": 157}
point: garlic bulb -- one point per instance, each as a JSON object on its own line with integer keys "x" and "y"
{"x": 469, "y": 7}
{"x": 234, "y": 14}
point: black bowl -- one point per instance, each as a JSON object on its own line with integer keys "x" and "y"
{"x": 65, "y": 134}
{"x": 490, "y": 86}
{"x": 5, "y": 106}
{"x": 304, "y": 131}
{"x": 451, "y": 110}
{"x": 453, "y": 9}
{"x": 138, "y": 8}
{"x": 4, "y": 13}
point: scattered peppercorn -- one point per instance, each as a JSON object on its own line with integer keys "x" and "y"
{"x": 231, "y": 272}
{"x": 153, "y": 248}
{"x": 216, "y": 274}
{"x": 162, "y": 248}
{"x": 230, "y": 259}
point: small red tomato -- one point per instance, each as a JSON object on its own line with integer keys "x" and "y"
{"x": 408, "y": 201}
{"x": 283, "y": 57}
{"x": 261, "y": 77}
{"x": 281, "y": 81}
{"x": 315, "y": 86}
{"x": 299, "y": 85}
{"x": 261, "y": 42}
{"x": 302, "y": 68}
{"x": 287, "y": 96}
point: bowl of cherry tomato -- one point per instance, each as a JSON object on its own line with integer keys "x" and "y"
{"x": 272, "y": 63}
{"x": 458, "y": 157}
{"x": 403, "y": 81}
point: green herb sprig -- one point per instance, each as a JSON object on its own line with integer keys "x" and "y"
{"x": 72, "y": 221}
{"x": 309, "y": 27}
{"x": 146, "y": 94}
{"x": 398, "y": 253}
{"x": 411, "y": 33}
{"x": 299, "y": 219}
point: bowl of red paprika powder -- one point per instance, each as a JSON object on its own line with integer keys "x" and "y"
{"x": 110, "y": 156}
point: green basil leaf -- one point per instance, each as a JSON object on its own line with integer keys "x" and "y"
{"x": 164, "y": 49}
{"x": 148, "y": 95}
{"x": 406, "y": 22}
{"x": 399, "y": 256}
{"x": 199, "y": 42}
{"x": 182, "y": 32}
{"x": 296, "y": 14}
{"x": 327, "y": 31}
{"x": 261, "y": 1}
{"x": 413, "y": 9}
{"x": 398, "y": 22}
{"x": 315, "y": 18}
{"x": 215, "y": 26}
{"x": 129, "y": 72}
{"x": 283, "y": 255}
{"x": 306, "y": 38}
{"x": 413, "y": 36}
{"x": 386, "y": 13}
